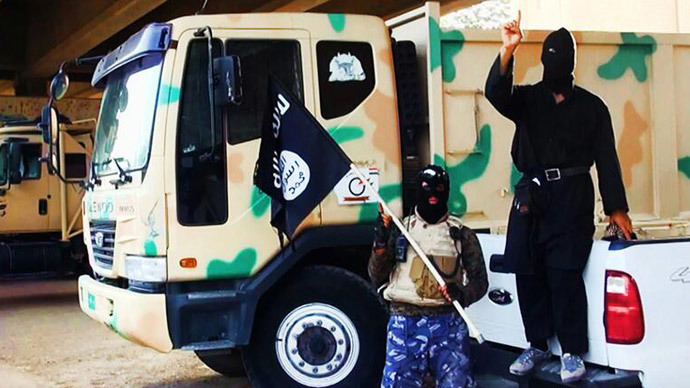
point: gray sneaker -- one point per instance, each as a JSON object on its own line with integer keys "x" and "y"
{"x": 572, "y": 368}
{"x": 530, "y": 358}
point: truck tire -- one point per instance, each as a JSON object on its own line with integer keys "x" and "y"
{"x": 228, "y": 362}
{"x": 334, "y": 326}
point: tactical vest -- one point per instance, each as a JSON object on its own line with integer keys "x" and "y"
{"x": 410, "y": 281}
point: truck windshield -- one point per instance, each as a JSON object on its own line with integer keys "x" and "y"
{"x": 3, "y": 163}
{"x": 125, "y": 122}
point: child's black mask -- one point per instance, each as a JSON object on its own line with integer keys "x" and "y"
{"x": 434, "y": 189}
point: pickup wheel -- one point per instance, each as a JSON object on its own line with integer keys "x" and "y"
{"x": 228, "y": 363}
{"x": 323, "y": 327}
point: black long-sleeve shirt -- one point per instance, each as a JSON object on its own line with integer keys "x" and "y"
{"x": 576, "y": 132}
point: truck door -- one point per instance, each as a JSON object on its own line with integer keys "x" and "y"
{"x": 217, "y": 216}
{"x": 26, "y": 202}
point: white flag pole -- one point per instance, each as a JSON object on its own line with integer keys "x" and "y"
{"x": 474, "y": 332}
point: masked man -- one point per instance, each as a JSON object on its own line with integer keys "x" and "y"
{"x": 425, "y": 333}
{"x": 561, "y": 130}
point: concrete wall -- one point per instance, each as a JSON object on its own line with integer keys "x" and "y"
{"x": 30, "y": 107}
{"x": 667, "y": 16}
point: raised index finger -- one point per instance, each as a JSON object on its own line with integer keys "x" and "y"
{"x": 519, "y": 17}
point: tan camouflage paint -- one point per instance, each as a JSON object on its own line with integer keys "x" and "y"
{"x": 236, "y": 174}
{"x": 630, "y": 143}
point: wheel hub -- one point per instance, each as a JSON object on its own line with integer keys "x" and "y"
{"x": 317, "y": 345}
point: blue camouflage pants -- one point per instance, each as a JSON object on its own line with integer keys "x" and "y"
{"x": 438, "y": 344}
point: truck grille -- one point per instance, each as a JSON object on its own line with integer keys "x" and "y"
{"x": 103, "y": 242}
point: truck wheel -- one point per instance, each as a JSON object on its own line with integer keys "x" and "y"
{"x": 323, "y": 327}
{"x": 227, "y": 362}
{"x": 79, "y": 258}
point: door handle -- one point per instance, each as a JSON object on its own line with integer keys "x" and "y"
{"x": 42, "y": 206}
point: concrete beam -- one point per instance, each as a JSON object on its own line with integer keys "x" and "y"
{"x": 78, "y": 89}
{"x": 289, "y": 5}
{"x": 6, "y": 87}
{"x": 82, "y": 35}
{"x": 31, "y": 87}
{"x": 13, "y": 33}
{"x": 386, "y": 8}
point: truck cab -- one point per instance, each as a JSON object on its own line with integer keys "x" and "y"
{"x": 39, "y": 215}
{"x": 178, "y": 236}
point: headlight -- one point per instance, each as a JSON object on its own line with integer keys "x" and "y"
{"x": 146, "y": 269}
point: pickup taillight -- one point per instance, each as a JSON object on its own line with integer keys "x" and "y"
{"x": 623, "y": 316}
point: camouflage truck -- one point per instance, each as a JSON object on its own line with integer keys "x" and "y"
{"x": 40, "y": 214}
{"x": 180, "y": 239}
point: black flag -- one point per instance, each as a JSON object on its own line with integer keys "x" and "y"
{"x": 299, "y": 162}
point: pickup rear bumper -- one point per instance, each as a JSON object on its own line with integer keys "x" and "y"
{"x": 140, "y": 318}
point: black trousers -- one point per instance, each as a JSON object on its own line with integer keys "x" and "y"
{"x": 554, "y": 301}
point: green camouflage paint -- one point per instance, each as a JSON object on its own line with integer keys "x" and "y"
{"x": 468, "y": 169}
{"x": 112, "y": 324}
{"x": 369, "y": 211}
{"x": 345, "y": 134}
{"x": 240, "y": 266}
{"x": 337, "y": 21}
{"x": 631, "y": 54}
{"x": 150, "y": 248}
{"x": 515, "y": 177}
{"x": 444, "y": 46}
{"x": 684, "y": 166}
{"x": 91, "y": 301}
{"x": 168, "y": 94}
{"x": 260, "y": 203}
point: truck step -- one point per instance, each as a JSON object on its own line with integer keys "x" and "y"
{"x": 548, "y": 376}
{"x": 491, "y": 362}
{"x": 491, "y": 381}
{"x": 210, "y": 345}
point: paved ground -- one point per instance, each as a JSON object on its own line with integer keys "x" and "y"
{"x": 45, "y": 341}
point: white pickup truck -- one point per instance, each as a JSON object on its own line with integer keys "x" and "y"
{"x": 637, "y": 293}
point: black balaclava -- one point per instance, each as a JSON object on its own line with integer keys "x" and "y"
{"x": 433, "y": 189}
{"x": 558, "y": 58}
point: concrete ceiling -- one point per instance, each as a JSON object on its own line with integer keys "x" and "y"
{"x": 38, "y": 35}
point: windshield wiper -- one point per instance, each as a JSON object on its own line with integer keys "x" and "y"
{"x": 123, "y": 177}
{"x": 93, "y": 180}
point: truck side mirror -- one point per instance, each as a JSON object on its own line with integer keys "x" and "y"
{"x": 49, "y": 127}
{"x": 59, "y": 85}
{"x": 227, "y": 80}
{"x": 49, "y": 124}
